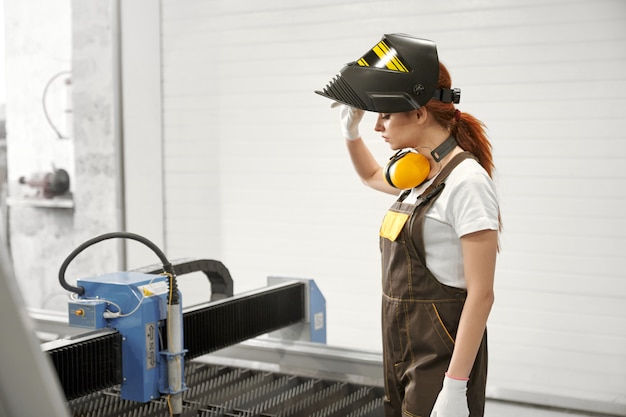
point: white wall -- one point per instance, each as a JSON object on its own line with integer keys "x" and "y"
{"x": 3, "y": 88}
{"x": 257, "y": 175}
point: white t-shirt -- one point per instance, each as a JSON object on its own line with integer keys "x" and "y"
{"x": 467, "y": 204}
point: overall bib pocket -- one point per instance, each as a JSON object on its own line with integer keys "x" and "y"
{"x": 392, "y": 224}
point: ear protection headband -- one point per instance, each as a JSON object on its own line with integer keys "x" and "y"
{"x": 407, "y": 168}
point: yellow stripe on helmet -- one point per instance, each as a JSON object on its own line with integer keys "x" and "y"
{"x": 399, "y": 64}
{"x": 389, "y": 57}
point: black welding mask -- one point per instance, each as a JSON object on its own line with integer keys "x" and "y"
{"x": 398, "y": 74}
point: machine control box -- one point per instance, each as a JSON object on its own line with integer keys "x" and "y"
{"x": 88, "y": 314}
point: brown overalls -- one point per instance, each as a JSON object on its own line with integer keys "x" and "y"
{"x": 420, "y": 315}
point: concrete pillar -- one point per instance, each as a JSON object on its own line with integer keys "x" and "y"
{"x": 46, "y": 38}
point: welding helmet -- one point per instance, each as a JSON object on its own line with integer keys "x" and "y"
{"x": 400, "y": 73}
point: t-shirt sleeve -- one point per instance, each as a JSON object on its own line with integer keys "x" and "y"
{"x": 474, "y": 205}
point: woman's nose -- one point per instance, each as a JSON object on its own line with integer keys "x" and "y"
{"x": 378, "y": 127}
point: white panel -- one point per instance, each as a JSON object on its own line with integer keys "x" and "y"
{"x": 190, "y": 128}
{"x": 142, "y": 132}
{"x": 258, "y": 177}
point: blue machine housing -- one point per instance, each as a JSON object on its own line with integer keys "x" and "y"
{"x": 317, "y": 314}
{"x": 313, "y": 328}
{"x": 142, "y": 302}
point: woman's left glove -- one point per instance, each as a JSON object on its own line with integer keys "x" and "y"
{"x": 452, "y": 400}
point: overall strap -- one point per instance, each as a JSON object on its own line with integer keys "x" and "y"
{"x": 425, "y": 201}
{"x": 438, "y": 184}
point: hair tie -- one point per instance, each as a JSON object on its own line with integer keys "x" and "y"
{"x": 457, "y": 115}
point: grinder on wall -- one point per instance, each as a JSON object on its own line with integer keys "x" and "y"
{"x": 392, "y": 78}
{"x": 49, "y": 184}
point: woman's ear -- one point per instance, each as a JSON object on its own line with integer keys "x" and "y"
{"x": 421, "y": 114}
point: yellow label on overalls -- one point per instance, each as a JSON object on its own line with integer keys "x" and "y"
{"x": 393, "y": 224}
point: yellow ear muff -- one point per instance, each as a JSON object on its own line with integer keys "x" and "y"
{"x": 406, "y": 169}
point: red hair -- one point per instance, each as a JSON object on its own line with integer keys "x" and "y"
{"x": 468, "y": 130}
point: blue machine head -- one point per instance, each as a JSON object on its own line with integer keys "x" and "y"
{"x": 134, "y": 304}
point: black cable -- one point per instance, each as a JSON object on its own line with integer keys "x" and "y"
{"x": 167, "y": 266}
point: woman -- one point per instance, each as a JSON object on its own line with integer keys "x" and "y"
{"x": 439, "y": 239}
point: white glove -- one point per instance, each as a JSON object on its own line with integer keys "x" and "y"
{"x": 350, "y": 119}
{"x": 452, "y": 400}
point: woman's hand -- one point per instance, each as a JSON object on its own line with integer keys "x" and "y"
{"x": 452, "y": 400}
{"x": 350, "y": 119}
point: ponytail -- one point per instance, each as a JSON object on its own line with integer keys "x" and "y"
{"x": 468, "y": 130}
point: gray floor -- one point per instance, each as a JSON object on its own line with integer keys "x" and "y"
{"x": 504, "y": 409}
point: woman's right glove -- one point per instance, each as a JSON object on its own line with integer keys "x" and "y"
{"x": 350, "y": 119}
{"x": 452, "y": 400}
